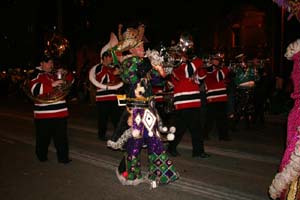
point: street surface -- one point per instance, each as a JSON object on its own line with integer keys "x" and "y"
{"x": 241, "y": 169}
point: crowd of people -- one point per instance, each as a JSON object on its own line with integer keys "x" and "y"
{"x": 200, "y": 99}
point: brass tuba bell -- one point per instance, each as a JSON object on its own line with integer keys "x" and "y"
{"x": 58, "y": 93}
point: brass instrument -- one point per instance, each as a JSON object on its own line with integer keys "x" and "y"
{"x": 168, "y": 57}
{"x": 57, "y": 94}
{"x": 172, "y": 56}
{"x": 111, "y": 86}
{"x": 56, "y": 46}
{"x": 208, "y": 60}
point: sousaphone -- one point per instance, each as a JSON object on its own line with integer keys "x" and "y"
{"x": 57, "y": 94}
{"x": 92, "y": 73}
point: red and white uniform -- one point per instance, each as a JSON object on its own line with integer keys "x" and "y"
{"x": 158, "y": 93}
{"x": 186, "y": 88}
{"x": 215, "y": 82}
{"x": 41, "y": 85}
{"x": 104, "y": 75}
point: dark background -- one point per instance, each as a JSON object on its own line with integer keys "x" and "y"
{"x": 24, "y": 24}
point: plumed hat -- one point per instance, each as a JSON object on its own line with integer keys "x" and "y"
{"x": 130, "y": 38}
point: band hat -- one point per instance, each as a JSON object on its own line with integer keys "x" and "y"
{"x": 218, "y": 56}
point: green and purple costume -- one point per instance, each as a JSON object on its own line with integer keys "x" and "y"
{"x": 138, "y": 73}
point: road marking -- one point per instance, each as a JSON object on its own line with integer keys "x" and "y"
{"x": 7, "y": 140}
{"x": 191, "y": 186}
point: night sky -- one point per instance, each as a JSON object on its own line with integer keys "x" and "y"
{"x": 24, "y": 23}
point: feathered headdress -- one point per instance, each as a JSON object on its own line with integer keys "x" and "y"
{"x": 292, "y": 6}
{"x": 130, "y": 38}
{"x": 292, "y": 49}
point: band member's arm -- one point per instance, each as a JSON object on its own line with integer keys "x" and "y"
{"x": 40, "y": 85}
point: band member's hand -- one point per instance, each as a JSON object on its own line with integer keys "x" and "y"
{"x": 116, "y": 71}
{"x": 160, "y": 70}
{"x": 57, "y": 83}
{"x": 184, "y": 58}
{"x": 61, "y": 70}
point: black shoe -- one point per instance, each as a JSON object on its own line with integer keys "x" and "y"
{"x": 201, "y": 155}
{"x": 65, "y": 161}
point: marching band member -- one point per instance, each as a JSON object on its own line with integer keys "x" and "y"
{"x": 50, "y": 115}
{"x": 105, "y": 77}
{"x": 187, "y": 100}
{"x": 216, "y": 97}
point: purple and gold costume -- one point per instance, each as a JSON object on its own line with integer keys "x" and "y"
{"x": 144, "y": 131}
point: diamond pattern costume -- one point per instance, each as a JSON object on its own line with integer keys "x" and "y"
{"x": 145, "y": 124}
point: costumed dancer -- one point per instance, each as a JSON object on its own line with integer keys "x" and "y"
{"x": 145, "y": 128}
{"x": 286, "y": 183}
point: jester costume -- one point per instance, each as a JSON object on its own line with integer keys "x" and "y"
{"x": 145, "y": 130}
{"x": 286, "y": 183}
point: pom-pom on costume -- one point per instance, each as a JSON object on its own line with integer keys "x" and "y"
{"x": 144, "y": 122}
{"x": 286, "y": 183}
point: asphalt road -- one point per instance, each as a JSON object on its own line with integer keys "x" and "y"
{"x": 241, "y": 169}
